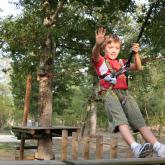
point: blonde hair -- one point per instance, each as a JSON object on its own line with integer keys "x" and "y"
{"x": 111, "y": 38}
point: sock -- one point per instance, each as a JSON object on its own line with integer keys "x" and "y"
{"x": 156, "y": 145}
{"x": 134, "y": 144}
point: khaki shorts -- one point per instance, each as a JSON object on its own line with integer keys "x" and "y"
{"x": 121, "y": 109}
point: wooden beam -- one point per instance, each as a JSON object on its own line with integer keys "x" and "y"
{"x": 74, "y": 145}
{"x": 64, "y": 144}
{"x": 122, "y": 161}
{"x": 31, "y": 162}
{"x": 27, "y": 147}
{"x": 113, "y": 147}
{"x": 27, "y": 100}
{"x": 99, "y": 147}
{"x": 86, "y": 147}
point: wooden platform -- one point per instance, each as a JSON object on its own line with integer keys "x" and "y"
{"x": 30, "y": 162}
{"x": 41, "y": 132}
{"x": 25, "y": 133}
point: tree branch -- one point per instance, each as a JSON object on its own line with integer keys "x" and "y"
{"x": 58, "y": 10}
{"x": 149, "y": 59}
{"x": 50, "y": 20}
{"x": 72, "y": 48}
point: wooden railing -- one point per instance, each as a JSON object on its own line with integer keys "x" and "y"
{"x": 85, "y": 142}
{"x": 81, "y": 147}
{"x": 100, "y": 143}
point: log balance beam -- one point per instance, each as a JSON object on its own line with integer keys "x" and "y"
{"x": 122, "y": 161}
{"x": 129, "y": 161}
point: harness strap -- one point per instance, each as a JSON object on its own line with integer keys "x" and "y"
{"x": 122, "y": 95}
{"x": 110, "y": 69}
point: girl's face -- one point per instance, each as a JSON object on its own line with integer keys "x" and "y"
{"x": 112, "y": 50}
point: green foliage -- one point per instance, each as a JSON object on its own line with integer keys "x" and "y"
{"x": 148, "y": 88}
{"x": 20, "y": 69}
{"x": 6, "y": 108}
{"x": 76, "y": 108}
{"x": 154, "y": 33}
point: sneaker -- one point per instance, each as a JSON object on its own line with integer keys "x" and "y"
{"x": 160, "y": 150}
{"x": 142, "y": 151}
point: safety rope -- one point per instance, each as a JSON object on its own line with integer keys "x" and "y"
{"x": 154, "y": 4}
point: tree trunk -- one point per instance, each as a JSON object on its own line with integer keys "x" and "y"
{"x": 45, "y": 101}
{"x": 90, "y": 122}
{"x": 45, "y": 150}
{"x": 93, "y": 118}
{"x": 45, "y": 77}
{"x": 93, "y": 109}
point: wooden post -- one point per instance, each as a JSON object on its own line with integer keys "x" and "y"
{"x": 86, "y": 147}
{"x": 113, "y": 147}
{"x": 26, "y": 112}
{"x": 27, "y": 100}
{"x": 21, "y": 157}
{"x": 74, "y": 145}
{"x": 64, "y": 145}
{"x": 129, "y": 152}
{"x": 99, "y": 147}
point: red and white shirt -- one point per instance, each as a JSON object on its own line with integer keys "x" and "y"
{"x": 102, "y": 69}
